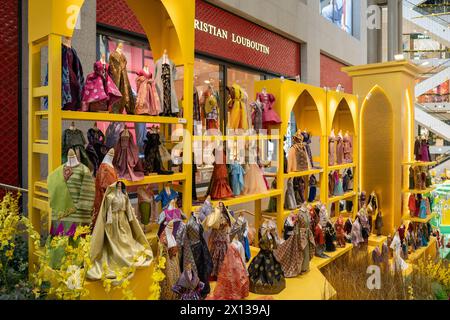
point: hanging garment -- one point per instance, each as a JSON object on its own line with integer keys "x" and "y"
{"x": 366, "y": 227}
{"x": 340, "y": 233}
{"x": 331, "y": 184}
{"x": 348, "y": 149}
{"x": 212, "y": 111}
{"x": 299, "y": 190}
{"x": 220, "y": 187}
{"x": 425, "y": 150}
{"x": 331, "y": 151}
{"x": 205, "y": 210}
{"x": 74, "y": 139}
{"x": 265, "y": 272}
{"x": 254, "y": 182}
{"x": 117, "y": 240}
{"x": 272, "y": 207}
{"x": 232, "y": 281}
{"x": 396, "y": 246}
{"x": 166, "y": 196}
{"x": 71, "y": 197}
{"x": 330, "y": 237}
{"x": 237, "y": 107}
{"x": 147, "y": 205}
{"x": 237, "y": 178}
{"x": 165, "y": 75}
{"x": 296, "y": 252}
{"x": 417, "y": 151}
{"x": 153, "y": 162}
{"x": 113, "y": 134}
{"x": 119, "y": 74}
{"x": 307, "y": 145}
{"x": 239, "y": 230}
{"x": 257, "y": 115}
{"x": 319, "y": 240}
{"x": 72, "y": 80}
{"x": 100, "y": 92}
{"x": 140, "y": 130}
{"x": 269, "y": 116}
{"x": 312, "y": 188}
{"x": 147, "y": 101}
{"x": 290, "y": 202}
{"x": 200, "y": 252}
{"x": 126, "y": 159}
{"x": 189, "y": 286}
{"x": 106, "y": 176}
{"x": 96, "y": 149}
{"x": 339, "y": 150}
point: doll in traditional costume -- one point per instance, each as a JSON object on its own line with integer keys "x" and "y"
{"x": 117, "y": 240}
{"x": 265, "y": 272}
{"x": 188, "y": 286}
{"x": 396, "y": 246}
{"x": 240, "y": 229}
{"x": 296, "y": 252}
{"x": 219, "y": 222}
{"x": 340, "y": 234}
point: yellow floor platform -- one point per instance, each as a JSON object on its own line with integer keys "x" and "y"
{"x": 424, "y": 252}
{"x": 322, "y": 262}
{"x": 377, "y": 241}
{"x": 310, "y": 286}
{"x": 139, "y": 284}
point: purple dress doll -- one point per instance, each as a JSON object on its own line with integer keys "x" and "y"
{"x": 188, "y": 286}
{"x": 100, "y": 92}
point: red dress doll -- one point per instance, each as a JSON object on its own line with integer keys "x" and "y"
{"x": 220, "y": 187}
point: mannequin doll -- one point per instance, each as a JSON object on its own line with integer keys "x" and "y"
{"x": 119, "y": 74}
{"x": 147, "y": 206}
{"x": 126, "y": 158}
{"x": 117, "y": 240}
{"x": 165, "y": 75}
{"x": 219, "y": 222}
{"x": 71, "y": 192}
{"x": 289, "y": 224}
{"x": 290, "y": 200}
{"x": 332, "y": 149}
{"x": 298, "y": 159}
{"x": 169, "y": 249}
{"x": 348, "y": 148}
{"x": 147, "y": 102}
{"x": 339, "y": 148}
{"x": 257, "y": 114}
{"x": 73, "y": 138}
{"x": 232, "y": 280}
{"x": 200, "y": 252}
{"x": 240, "y": 230}
{"x": 269, "y": 115}
{"x": 106, "y": 176}
{"x": 188, "y": 286}
{"x": 340, "y": 234}
{"x": 166, "y": 195}
{"x": 265, "y": 273}
{"x": 396, "y": 246}
{"x": 72, "y": 79}
{"x": 330, "y": 237}
{"x": 296, "y": 252}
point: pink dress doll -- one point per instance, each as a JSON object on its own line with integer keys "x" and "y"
{"x": 99, "y": 92}
{"x": 269, "y": 116}
{"x": 146, "y": 101}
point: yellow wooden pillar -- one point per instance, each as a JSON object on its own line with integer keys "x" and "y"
{"x": 386, "y": 136}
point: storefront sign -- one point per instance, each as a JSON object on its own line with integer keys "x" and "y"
{"x": 224, "y": 35}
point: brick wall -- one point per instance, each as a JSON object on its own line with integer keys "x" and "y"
{"x": 117, "y": 13}
{"x": 331, "y": 74}
{"x": 9, "y": 92}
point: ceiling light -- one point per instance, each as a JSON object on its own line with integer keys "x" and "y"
{"x": 426, "y": 63}
{"x": 399, "y": 57}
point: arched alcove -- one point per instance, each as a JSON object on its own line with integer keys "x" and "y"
{"x": 343, "y": 118}
{"x": 376, "y": 152}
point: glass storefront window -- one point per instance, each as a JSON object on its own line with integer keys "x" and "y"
{"x": 339, "y": 12}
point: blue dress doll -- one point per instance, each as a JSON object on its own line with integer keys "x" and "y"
{"x": 237, "y": 178}
{"x": 423, "y": 209}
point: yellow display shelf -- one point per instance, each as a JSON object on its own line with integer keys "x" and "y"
{"x": 419, "y": 163}
{"x": 341, "y": 166}
{"x": 302, "y": 173}
{"x": 428, "y": 251}
{"x": 111, "y": 117}
{"x": 234, "y": 138}
{"x": 416, "y": 219}
{"x": 139, "y": 284}
{"x": 248, "y": 198}
{"x": 322, "y": 262}
{"x": 156, "y": 179}
{"x": 415, "y": 191}
{"x": 343, "y": 197}
{"x": 309, "y": 286}
{"x": 377, "y": 241}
